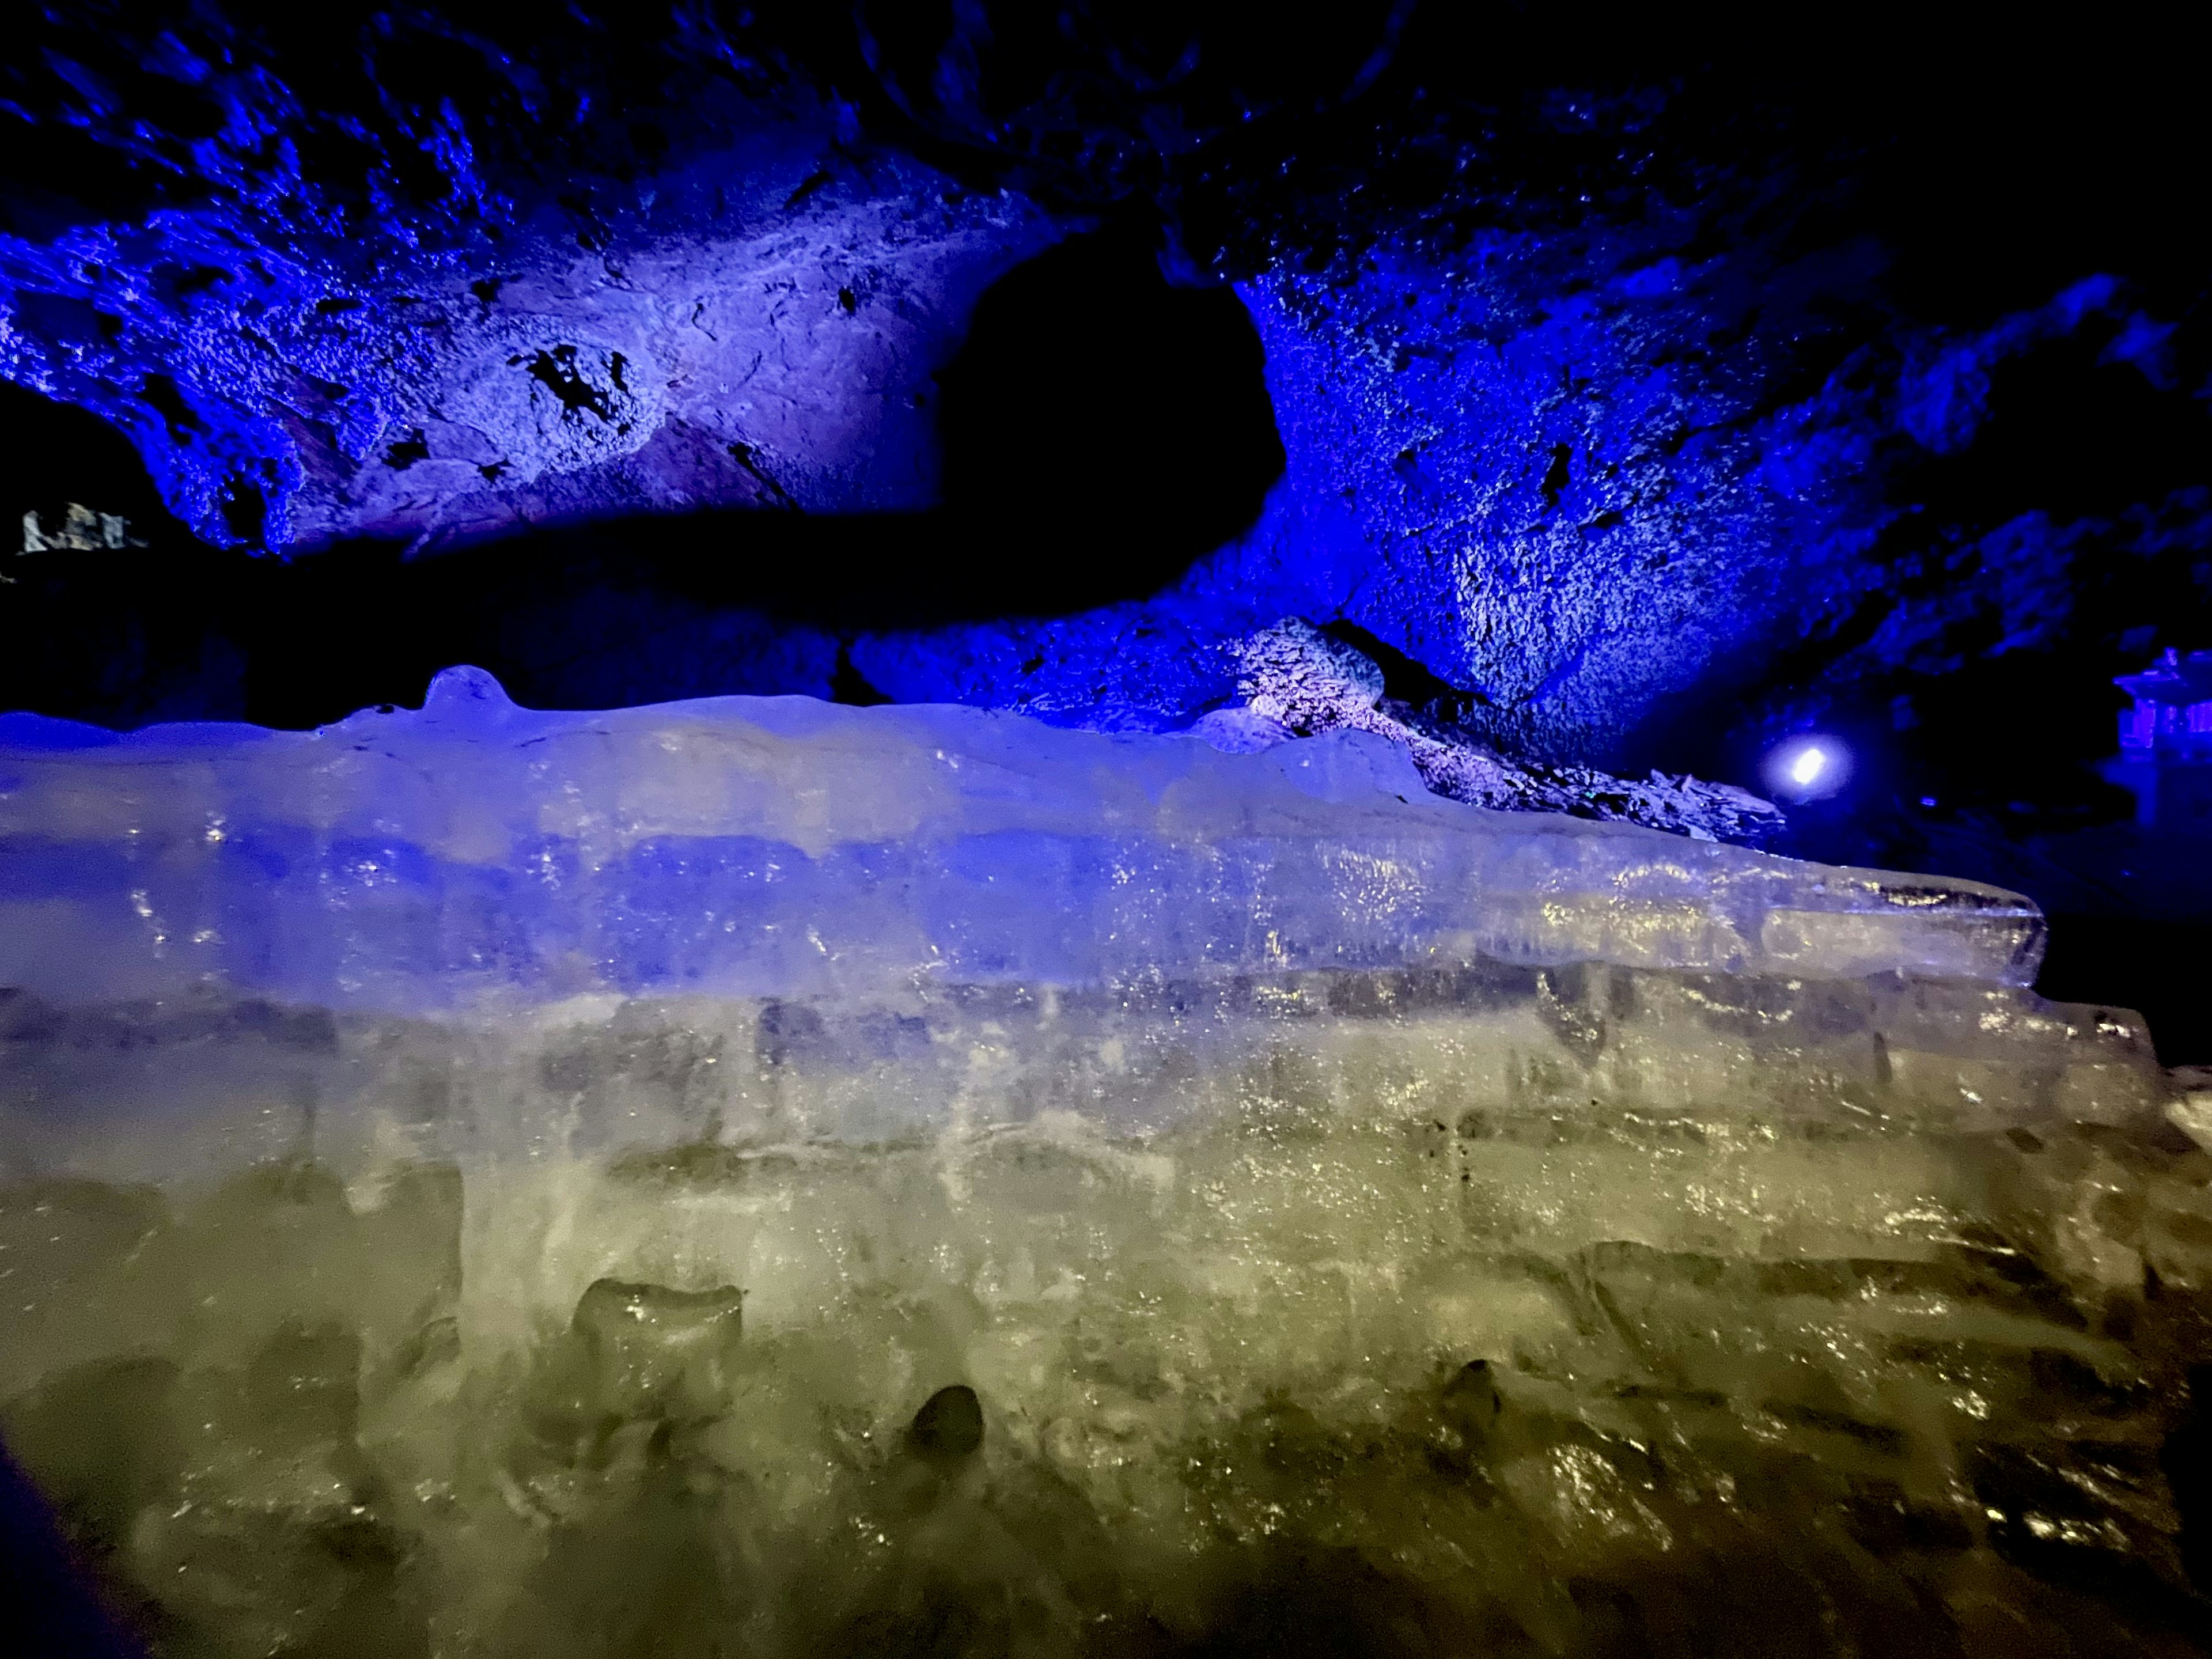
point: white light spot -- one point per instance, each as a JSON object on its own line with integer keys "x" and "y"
{"x": 1809, "y": 768}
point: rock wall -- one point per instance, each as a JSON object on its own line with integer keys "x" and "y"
{"x": 1726, "y": 393}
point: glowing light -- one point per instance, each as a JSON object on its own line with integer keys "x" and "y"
{"x": 1809, "y": 768}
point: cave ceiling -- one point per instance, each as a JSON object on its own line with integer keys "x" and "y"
{"x": 1646, "y": 386}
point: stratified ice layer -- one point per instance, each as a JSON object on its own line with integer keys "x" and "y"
{"x": 758, "y": 1177}
{"x": 783, "y": 845}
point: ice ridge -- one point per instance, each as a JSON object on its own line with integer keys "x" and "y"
{"x": 406, "y": 860}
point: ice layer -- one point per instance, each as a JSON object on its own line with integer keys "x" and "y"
{"x": 409, "y": 860}
{"x": 753, "y": 1175}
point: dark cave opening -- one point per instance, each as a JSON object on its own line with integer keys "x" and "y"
{"x": 1100, "y": 428}
{"x": 1097, "y": 413}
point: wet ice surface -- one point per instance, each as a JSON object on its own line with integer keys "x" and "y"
{"x": 474, "y": 850}
{"x": 1092, "y": 1195}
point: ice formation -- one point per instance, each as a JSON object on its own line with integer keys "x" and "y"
{"x": 757, "y": 1175}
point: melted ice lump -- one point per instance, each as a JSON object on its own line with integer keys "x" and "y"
{"x": 758, "y": 1177}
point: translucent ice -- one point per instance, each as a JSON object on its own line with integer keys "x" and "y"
{"x": 780, "y": 846}
{"x": 760, "y": 1176}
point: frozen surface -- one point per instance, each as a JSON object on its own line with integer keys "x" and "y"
{"x": 758, "y": 1177}
{"x": 409, "y": 860}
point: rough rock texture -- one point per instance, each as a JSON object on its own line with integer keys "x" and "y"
{"x": 758, "y": 327}
{"x": 1297, "y": 679}
{"x": 1582, "y": 478}
{"x": 1728, "y": 392}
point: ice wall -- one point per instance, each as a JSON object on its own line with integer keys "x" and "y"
{"x": 460, "y": 930}
{"x": 405, "y": 861}
{"x": 759, "y": 1175}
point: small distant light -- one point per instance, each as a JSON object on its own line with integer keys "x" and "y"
{"x": 1928, "y": 800}
{"x": 1809, "y": 768}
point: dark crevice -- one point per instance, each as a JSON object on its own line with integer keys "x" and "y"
{"x": 407, "y": 451}
{"x": 849, "y": 686}
{"x": 1405, "y": 679}
{"x": 1558, "y": 475}
{"x": 775, "y": 493}
{"x": 556, "y": 371}
{"x": 161, "y": 395}
{"x": 245, "y": 510}
{"x": 1098, "y": 415}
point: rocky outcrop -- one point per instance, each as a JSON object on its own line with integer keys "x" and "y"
{"x": 1653, "y": 418}
{"x": 758, "y": 328}
{"x": 1299, "y": 682}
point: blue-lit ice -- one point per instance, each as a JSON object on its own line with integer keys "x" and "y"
{"x": 757, "y": 1175}
{"x": 474, "y": 851}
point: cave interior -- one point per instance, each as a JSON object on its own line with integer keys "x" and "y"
{"x": 1635, "y": 391}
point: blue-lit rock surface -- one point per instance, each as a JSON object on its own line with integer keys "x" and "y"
{"x": 758, "y": 327}
{"x": 753, "y": 1174}
{"x": 1653, "y": 431}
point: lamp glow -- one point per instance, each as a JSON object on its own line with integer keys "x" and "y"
{"x": 1809, "y": 768}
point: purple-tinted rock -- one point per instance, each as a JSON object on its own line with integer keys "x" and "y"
{"x": 758, "y": 328}
{"x": 1602, "y": 407}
